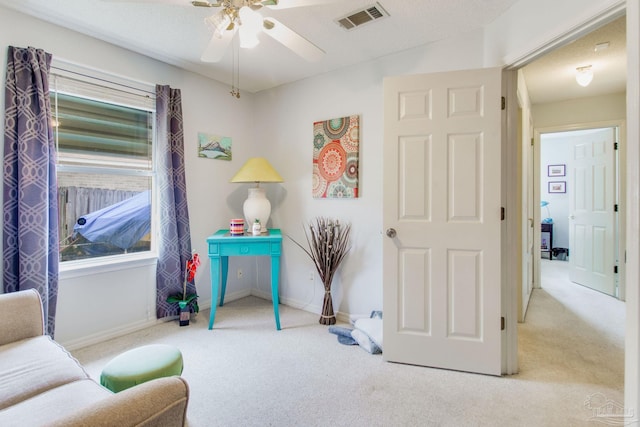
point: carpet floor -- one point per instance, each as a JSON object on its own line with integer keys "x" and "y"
{"x": 245, "y": 373}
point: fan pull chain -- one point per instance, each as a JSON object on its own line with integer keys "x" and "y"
{"x": 235, "y": 69}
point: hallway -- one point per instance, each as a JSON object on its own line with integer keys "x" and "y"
{"x": 574, "y": 336}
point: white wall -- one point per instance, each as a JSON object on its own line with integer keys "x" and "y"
{"x": 598, "y": 111}
{"x": 91, "y": 307}
{"x": 530, "y": 25}
{"x": 285, "y": 123}
{"x": 287, "y": 114}
{"x": 581, "y": 111}
{"x": 607, "y": 110}
{"x": 280, "y": 125}
{"x": 554, "y": 150}
{"x": 632, "y": 340}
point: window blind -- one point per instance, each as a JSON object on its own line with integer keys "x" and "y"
{"x": 69, "y": 78}
{"x": 99, "y": 116}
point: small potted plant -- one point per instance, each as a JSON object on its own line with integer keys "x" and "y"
{"x": 187, "y": 302}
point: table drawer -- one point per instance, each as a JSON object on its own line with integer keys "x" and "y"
{"x": 239, "y": 248}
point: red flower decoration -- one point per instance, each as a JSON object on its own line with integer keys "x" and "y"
{"x": 192, "y": 266}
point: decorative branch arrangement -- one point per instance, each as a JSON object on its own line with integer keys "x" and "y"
{"x": 328, "y": 244}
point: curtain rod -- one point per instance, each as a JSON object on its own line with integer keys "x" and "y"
{"x": 105, "y": 80}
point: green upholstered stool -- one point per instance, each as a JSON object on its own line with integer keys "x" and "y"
{"x": 140, "y": 365}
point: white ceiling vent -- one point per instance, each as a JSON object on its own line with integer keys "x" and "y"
{"x": 362, "y": 16}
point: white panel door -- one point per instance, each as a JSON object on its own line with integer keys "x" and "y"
{"x": 592, "y": 219}
{"x": 442, "y": 181}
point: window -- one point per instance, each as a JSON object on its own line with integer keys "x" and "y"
{"x": 104, "y": 132}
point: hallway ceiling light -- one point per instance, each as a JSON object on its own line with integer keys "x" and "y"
{"x": 584, "y": 75}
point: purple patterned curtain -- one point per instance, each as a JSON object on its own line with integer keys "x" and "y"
{"x": 30, "y": 204}
{"x": 175, "y": 238}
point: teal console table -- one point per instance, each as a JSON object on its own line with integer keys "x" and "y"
{"x": 222, "y": 245}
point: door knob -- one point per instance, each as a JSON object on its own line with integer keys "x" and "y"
{"x": 391, "y": 232}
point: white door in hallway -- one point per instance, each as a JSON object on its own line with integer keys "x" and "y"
{"x": 592, "y": 218}
{"x": 442, "y": 216}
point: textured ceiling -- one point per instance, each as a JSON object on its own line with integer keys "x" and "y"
{"x": 552, "y": 77}
{"x": 176, "y": 34}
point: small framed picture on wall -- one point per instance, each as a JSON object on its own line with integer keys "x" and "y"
{"x": 557, "y": 186}
{"x": 556, "y": 170}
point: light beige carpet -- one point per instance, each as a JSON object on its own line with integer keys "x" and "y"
{"x": 245, "y": 373}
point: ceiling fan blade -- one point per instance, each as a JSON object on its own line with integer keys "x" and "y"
{"x": 197, "y": 3}
{"x": 178, "y": 2}
{"x": 217, "y": 46}
{"x": 292, "y": 40}
{"x": 286, "y": 4}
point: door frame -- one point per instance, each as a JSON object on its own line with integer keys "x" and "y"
{"x": 632, "y": 174}
{"x": 620, "y": 190}
{"x": 631, "y": 180}
{"x": 509, "y": 288}
{"x": 512, "y": 225}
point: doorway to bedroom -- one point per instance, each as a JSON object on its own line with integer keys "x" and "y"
{"x": 579, "y": 205}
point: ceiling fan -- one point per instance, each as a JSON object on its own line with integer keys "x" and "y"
{"x": 242, "y": 16}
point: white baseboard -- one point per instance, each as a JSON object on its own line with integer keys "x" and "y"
{"x": 204, "y": 305}
{"x": 111, "y": 333}
{"x": 228, "y": 296}
{"x": 311, "y": 308}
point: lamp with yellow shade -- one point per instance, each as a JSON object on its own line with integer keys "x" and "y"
{"x": 257, "y": 206}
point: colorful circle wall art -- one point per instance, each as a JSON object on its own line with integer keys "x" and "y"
{"x": 336, "y": 144}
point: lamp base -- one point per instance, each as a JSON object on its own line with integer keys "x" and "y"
{"x": 257, "y": 206}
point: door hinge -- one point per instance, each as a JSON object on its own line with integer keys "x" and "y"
{"x": 532, "y": 142}
{"x": 615, "y": 145}
{"x": 502, "y": 323}
{"x": 615, "y": 269}
{"x": 615, "y": 207}
{"x": 502, "y": 214}
{"x": 503, "y": 103}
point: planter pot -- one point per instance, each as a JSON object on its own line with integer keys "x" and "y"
{"x": 185, "y": 313}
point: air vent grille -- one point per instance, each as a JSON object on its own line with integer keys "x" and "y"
{"x": 362, "y": 16}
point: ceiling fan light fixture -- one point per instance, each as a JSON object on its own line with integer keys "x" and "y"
{"x": 584, "y": 75}
{"x": 241, "y": 16}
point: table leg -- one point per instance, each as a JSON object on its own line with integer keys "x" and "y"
{"x": 275, "y": 275}
{"x": 215, "y": 286}
{"x": 225, "y": 272}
